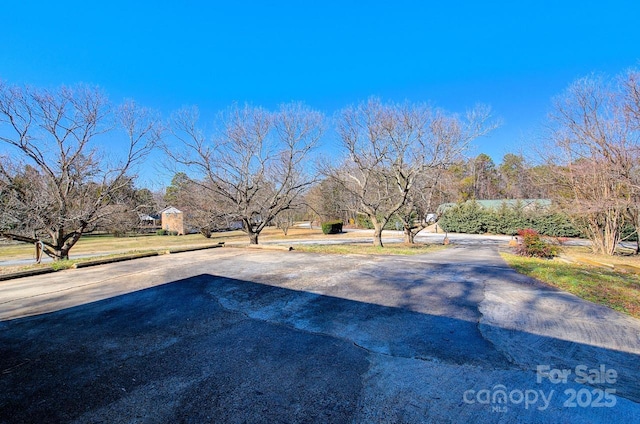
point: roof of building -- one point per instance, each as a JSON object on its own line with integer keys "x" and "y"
{"x": 170, "y": 209}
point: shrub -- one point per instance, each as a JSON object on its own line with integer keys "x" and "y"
{"x": 530, "y": 243}
{"x": 363, "y": 221}
{"x": 161, "y": 232}
{"x": 628, "y": 233}
{"x": 332, "y": 227}
{"x": 470, "y": 217}
{"x": 555, "y": 225}
{"x": 507, "y": 220}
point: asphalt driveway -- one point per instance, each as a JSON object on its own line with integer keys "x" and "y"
{"x": 231, "y": 335}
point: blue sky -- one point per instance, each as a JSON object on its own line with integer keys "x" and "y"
{"x": 512, "y": 55}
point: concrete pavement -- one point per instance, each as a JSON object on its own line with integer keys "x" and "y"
{"x": 231, "y": 335}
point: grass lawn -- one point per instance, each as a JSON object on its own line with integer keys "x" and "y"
{"x": 96, "y": 244}
{"x": 107, "y": 244}
{"x": 104, "y": 246}
{"x": 618, "y": 289}
{"x": 90, "y": 244}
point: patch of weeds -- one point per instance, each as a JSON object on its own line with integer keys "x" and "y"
{"x": 64, "y": 264}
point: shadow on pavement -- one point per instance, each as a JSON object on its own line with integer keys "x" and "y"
{"x": 214, "y": 349}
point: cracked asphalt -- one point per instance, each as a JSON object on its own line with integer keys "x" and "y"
{"x": 244, "y": 336}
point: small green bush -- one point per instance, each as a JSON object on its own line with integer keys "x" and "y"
{"x": 531, "y": 244}
{"x": 332, "y": 227}
{"x": 161, "y": 232}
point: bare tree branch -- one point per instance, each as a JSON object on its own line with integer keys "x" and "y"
{"x": 392, "y": 147}
{"x": 55, "y": 184}
{"x": 255, "y": 165}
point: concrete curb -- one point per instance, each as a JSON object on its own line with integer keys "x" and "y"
{"x": 193, "y": 249}
{"x": 27, "y": 273}
{"x": 113, "y": 260}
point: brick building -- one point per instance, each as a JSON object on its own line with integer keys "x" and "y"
{"x": 173, "y": 220}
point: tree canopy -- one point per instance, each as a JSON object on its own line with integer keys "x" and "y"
{"x": 61, "y": 176}
{"x": 56, "y": 184}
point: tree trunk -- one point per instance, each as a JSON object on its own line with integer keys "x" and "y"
{"x": 247, "y": 227}
{"x": 62, "y": 254}
{"x": 597, "y": 242}
{"x": 377, "y": 236}
{"x": 409, "y": 236}
{"x": 58, "y": 251}
{"x": 612, "y": 231}
{"x": 604, "y": 232}
{"x": 377, "y": 230}
{"x": 636, "y": 226}
{"x": 62, "y": 243}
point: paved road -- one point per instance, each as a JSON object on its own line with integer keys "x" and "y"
{"x": 231, "y": 335}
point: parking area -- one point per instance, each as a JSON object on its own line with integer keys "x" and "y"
{"x": 233, "y": 335}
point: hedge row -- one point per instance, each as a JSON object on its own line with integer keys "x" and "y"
{"x": 332, "y": 227}
{"x": 472, "y": 218}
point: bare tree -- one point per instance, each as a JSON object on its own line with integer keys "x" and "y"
{"x": 421, "y": 201}
{"x": 58, "y": 185}
{"x": 254, "y": 166}
{"x": 514, "y": 177}
{"x": 129, "y": 207}
{"x": 595, "y": 158}
{"x": 389, "y": 146}
{"x": 203, "y": 208}
{"x": 449, "y": 136}
{"x": 285, "y": 220}
{"x": 630, "y": 87}
{"x": 327, "y": 200}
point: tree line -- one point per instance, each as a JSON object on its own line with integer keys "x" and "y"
{"x": 393, "y": 162}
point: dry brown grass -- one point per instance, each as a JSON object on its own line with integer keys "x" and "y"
{"x": 106, "y": 245}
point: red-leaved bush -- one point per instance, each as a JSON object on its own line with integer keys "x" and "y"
{"x": 530, "y": 243}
